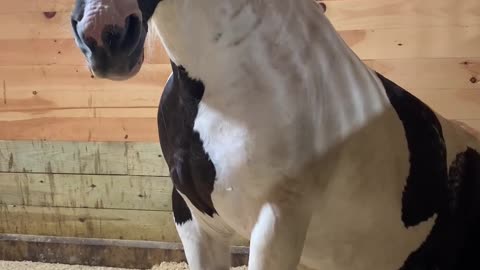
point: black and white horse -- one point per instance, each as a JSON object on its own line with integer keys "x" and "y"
{"x": 274, "y": 129}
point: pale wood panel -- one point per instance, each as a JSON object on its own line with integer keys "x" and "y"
{"x": 146, "y": 159}
{"x": 424, "y": 42}
{"x": 61, "y": 88}
{"x": 92, "y": 223}
{"x": 345, "y": 15}
{"x": 26, "y": 99}
{"x": 88, "y": 223}
{"x": 35, "y": 25}
{"x": 81, "y": 129}
{"x": 86, "y": 191}
{"x": 430, "y": 73}
{"x": 63, "y": 157}
{"x": 452, "y": 103}
{"x": 22, "y": 6}
{"x": 431, "y": 42}
{"x": 79, "y": 113}
{"x": 115, "y": 158}
{"x": 377, "y": 14}
{"x": 61, "y": 52}
{"x": 55, "y": 77}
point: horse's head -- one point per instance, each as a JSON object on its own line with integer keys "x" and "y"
{"x": 111, "y": 34}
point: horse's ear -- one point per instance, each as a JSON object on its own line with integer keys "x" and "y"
{"x": 323, "y": 6}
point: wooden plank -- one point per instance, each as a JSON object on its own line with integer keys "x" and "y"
{"x": 424, "y": 42}
{"x": 92, "y": 223}
{"x": 81, "y": 129}
{"x": 8, "y": 7}
{"x": 452, "y": 103}
{"x": 146, "y": 159}
{"x": 378, "y": 14}
{"x": 452, "y": 73}
{"x": 345, "y": 15}
{"x": 24, "y": 99}
{"x": 57, "y": 87}
{"x": 35, "y": 25}
{"x": 88, "y": 223}
{"x": 62, "y": 52}
{"x": 80, "y": 113}
{"x": 86, "y": 191}
{"x": 419, "y": 42}
{"x": 98, "y": 252}
{"x": 55, "y": 77}
{"x": 63, "y": 157}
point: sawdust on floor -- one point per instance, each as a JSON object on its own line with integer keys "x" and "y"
{"x": 6, "y": 265}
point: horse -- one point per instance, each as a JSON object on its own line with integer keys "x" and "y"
{"x": 274, "y": 129}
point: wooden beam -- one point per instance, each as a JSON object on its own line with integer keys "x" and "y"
{"x": 92, "y": 223}
{"x": 88, "y": 223}
{"x": 54, "y": 77}
{"x": 450, "y": 73}
{"x": 418, "y": 42}
{"x": 86, "y": 191}
{"x": 8, "y": 7}
{"x": 81, "y": 129}
{"x": 82, "y": 158}
{"x": 62, "y": 52}
{"x": 98, "y": 252}
{"x": 70, "y": 89}
{"x": 398, "y": 43}
{"x": 345, "y": 15}
{"x": 381, "y": 14}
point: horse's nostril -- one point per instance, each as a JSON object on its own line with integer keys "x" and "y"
{"x": 132, "y": 32}
{"x": 126, "y": 38}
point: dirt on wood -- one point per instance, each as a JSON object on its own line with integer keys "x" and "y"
{"x": 5, "y": 265}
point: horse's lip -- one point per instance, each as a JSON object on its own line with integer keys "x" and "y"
{"x": 124, "y": 77}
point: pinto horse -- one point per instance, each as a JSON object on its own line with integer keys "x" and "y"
{"x": 274, "y": 129}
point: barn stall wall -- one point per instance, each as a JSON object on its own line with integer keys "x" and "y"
{"x": 79, "y": 157}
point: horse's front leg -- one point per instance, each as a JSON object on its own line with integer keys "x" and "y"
{"x": 206, "y": 246}
{"x": 278, "y": 237}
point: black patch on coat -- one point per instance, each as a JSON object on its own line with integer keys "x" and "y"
{"x": 453, "y": 243}
{"x": 452, "y": 193}
{"x": 191, "y": 169}
{"x": 427, "y": 179}
{"x": 181, "y": 212}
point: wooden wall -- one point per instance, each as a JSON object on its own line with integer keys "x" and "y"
{"x": 79, "y": 156}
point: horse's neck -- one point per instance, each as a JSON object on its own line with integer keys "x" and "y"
{"x": 189, "y": 28}
{"x": 289, "y": 43}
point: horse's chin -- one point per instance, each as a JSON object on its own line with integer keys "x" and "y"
{"x": 113, "y": 73}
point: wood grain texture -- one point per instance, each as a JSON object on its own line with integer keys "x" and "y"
{"x": 425, "y": 42}
{"x": 63, "y": 157}
{"x": 8, "y": 7}
{"x": 86, "y": 191}
{"x": 88, "y": 223}
{"x": 421, "y": 42}
{"x": 56, "y": 77}
{"x": 146, "y": 159}
{"x": 92, "y": 223}
{"x": 83, "y": 129}
{"x": 62, "y": 52}
{"x": 452, "y": 73}
{"x": 70, "y": 89}
{"x": 99, "y": 158}
{"x": 380, "y": 14}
